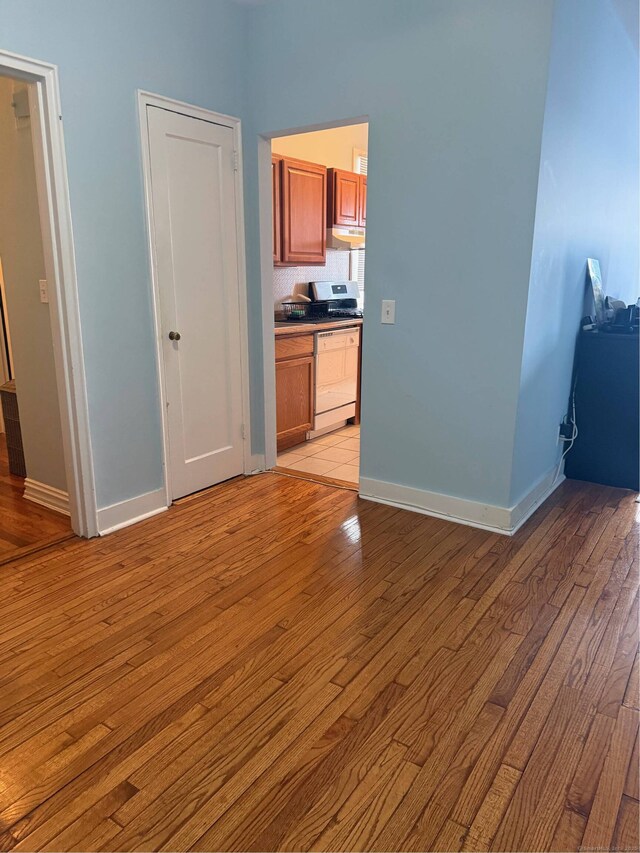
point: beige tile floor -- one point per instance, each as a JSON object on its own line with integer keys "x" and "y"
{"x": 336, "y": 454}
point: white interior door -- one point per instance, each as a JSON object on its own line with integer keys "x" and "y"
{"x": 194, "y": 223}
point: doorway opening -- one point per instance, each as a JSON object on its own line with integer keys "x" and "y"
{"x": 35, "y": 106}
{"x": 319, "y": 213}
{"x": 34, "y": 496}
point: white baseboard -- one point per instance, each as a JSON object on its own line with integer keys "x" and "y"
{"x": 122, "y": 514}
{"x": 535, "y": 497}
{"x": 48, "y": 496}
{"x": 497, "y": 519}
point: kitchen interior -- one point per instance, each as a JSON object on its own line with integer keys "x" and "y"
{"x": 319, "y": 197}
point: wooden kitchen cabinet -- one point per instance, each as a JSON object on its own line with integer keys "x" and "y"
{"x": 304, "y": 212}
{"x": 346, "y": 198}
{"x": 343, "y": 197}
{"x": 294, "y": 389}
{"x": 362, "y": 216}
{"x": 276, "y": 211}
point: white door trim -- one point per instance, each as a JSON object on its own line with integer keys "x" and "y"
{"x": 57, "y": 238}
{"x": 146, "y": 99}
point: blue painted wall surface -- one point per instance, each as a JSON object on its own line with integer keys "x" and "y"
{"x": 454, "y": 91}
{"x": 106, "y": 50}
{"x": 588, "y": 204}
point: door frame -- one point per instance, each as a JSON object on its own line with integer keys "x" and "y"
{"x": 5, "y": 343}
{"x": 150, "y": 99}
{"x": 266, "y": 271}
{"x": 60, "y": 268}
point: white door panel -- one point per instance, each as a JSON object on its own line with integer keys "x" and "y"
{"x": 194, "y": 214}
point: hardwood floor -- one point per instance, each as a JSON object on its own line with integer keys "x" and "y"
{"x": 24, "y": 526}
{"x": 277, "y": 665}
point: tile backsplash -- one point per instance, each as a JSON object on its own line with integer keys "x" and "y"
{"x": 288, "y": 281}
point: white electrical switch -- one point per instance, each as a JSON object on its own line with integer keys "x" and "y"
{"x": 388, "y": 310}
{"x": 44, "y": 290}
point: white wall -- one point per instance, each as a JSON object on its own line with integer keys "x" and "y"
{"x": 289, "y": 281}
{"x": 332, "y": 148}
{"x": 30, "y": 326}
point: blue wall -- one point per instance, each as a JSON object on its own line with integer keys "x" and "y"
{"x": 105, "y": 50}
{"x": 455, "y": 94}
{"x": 454, "y": 91}
{"x": 588, "y": 204}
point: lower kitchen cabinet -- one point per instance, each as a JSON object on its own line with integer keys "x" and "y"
{"x": 294, "y": 389}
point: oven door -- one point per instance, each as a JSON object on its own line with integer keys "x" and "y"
{"x": 336, "y": 369}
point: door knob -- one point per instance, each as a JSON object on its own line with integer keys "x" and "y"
{"x": 174, "y": 336}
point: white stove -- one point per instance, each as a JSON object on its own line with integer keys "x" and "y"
{"x": 340, "y": 297}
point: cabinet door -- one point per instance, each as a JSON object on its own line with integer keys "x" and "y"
{"x": 276, "y": 210}
{"x": 362, "y": 213}
{"x": 345, "y": 197}
{"x": 294, "y": 400}
{"x": 304, "y": 212}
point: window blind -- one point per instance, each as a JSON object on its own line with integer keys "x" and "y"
{"x": 360, "y": 161}
{"x": 357, "y": 272}
{"x": 360, "y": 164}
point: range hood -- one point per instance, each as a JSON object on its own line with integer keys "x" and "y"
{"x": 345, "y": 237}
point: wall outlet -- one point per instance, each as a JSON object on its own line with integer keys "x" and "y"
{"x": 44, "y": 290}
{"x": 388, "y": 311}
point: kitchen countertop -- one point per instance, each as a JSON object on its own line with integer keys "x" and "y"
{"x": 289, "y": 327}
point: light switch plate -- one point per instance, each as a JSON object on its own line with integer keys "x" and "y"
{"x": 44, "y": 290}
{"x": 388, "y": 310}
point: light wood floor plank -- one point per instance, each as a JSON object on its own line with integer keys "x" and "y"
{"x": 274, "y": 664}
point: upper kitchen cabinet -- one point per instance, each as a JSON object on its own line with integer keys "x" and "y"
{"x": 276, "y": 202}
{"x": 363, "y": 201}
{"x": 304, "y": 212}
{"x": 347, "y": 198}
{"x": 343, "y": 207}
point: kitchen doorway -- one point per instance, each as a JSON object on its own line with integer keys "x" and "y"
{"x": 319, "y": 204}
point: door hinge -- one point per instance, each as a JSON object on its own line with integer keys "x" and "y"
{"x": 243, "y": 431}
{"x": 236, "y": 161}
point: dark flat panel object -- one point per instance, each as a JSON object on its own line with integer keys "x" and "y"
{"x": 606, "y": 450}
